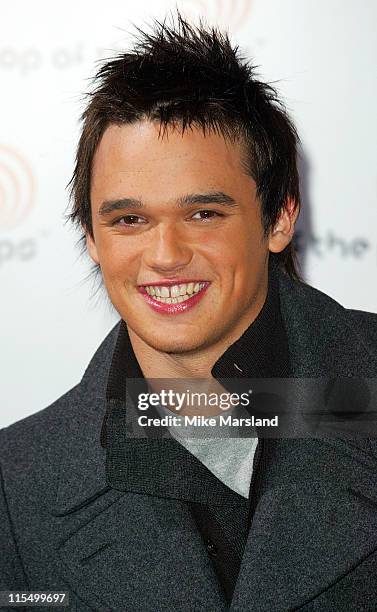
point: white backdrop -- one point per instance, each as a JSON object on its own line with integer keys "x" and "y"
{"x": 321, "y": 53}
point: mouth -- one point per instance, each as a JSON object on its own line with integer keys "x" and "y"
{"x": 173, "y": 297}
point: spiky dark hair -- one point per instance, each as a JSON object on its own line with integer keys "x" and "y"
{"x": 190, "y": 75}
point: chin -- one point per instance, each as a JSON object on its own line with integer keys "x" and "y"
{"x": 174, "y": 345}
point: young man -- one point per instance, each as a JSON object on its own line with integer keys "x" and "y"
{"x": 186, "y": 189}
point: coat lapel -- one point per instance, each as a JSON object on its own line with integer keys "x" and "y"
{"x": 318, "y": 520}
{"x": 304, "y": 538}
{"x": 137, "y": 552}
{"x": 117, "y": 550}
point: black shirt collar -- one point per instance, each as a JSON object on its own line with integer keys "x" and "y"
{"x": 262, "y": 350}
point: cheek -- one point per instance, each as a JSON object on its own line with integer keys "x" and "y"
{"x": 116, "y": 257}
{"x": 242, "y": 254}
{"x": 248, "y": 266}
{"x": 233, "y": 255}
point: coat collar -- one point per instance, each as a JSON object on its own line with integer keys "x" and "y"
{"x": 323, "y": 341}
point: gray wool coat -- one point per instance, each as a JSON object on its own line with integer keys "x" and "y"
{"x": 312, "y": 544}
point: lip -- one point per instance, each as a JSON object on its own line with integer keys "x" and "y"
{"x": 173, "y": 309}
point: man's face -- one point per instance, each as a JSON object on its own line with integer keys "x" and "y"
{"x": 178, "y": 235}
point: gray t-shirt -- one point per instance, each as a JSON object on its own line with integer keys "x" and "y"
{"x": 230, "y": 459}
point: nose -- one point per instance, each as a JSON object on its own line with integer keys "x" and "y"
{"x": 167, "y": 250}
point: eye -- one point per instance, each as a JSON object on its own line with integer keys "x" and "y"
{"x": 206, "y": 214}
{"x": 129, "y": 220}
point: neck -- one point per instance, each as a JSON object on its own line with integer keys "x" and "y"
{"x": 157, "y": 364}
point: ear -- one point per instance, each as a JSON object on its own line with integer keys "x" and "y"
{"x": 91, "y": 247}
{"x": 282, "y": 232}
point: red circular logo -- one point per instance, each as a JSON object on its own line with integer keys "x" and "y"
{"x": 16, "y": 188}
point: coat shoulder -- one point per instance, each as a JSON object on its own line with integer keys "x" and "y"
{"x": 366, "y": 322}
{"x": 298, "y": 293}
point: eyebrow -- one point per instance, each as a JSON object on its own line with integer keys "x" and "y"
{"x": 214, "y": 197}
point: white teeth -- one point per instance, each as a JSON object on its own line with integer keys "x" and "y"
{"x": 174, "y": 293}
{"x": 168, "y": 300}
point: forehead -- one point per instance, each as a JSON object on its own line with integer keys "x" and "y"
{"x": 139, "y": 157}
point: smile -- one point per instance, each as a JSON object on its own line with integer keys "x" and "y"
{"x": 173, "y": 299}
